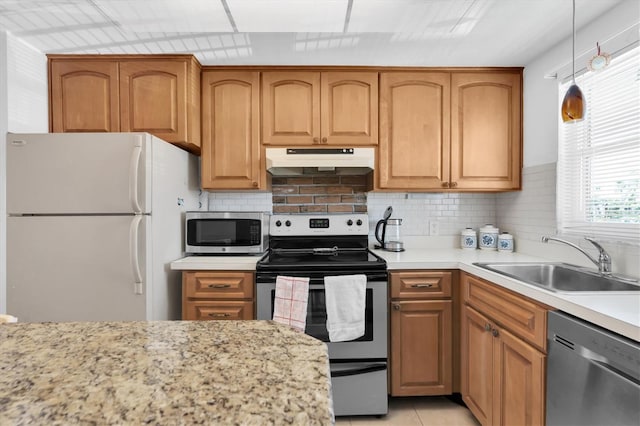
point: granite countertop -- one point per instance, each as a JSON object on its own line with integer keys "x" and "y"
{"x": 163, "y": 372}
{"x": 618, "y": 312}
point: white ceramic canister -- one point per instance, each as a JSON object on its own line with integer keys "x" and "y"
{"x": 488, "y": 238}
{"x": 468, "y": 239}
{"x": 505, "y": 242}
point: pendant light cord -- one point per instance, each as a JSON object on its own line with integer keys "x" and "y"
{"x": 573, "y": 51}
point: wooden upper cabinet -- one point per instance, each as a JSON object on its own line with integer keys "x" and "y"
{"x": 486, "y": 130}
{"x": 84, "y": 96}
{"x": 290, "y": 108}
{"x": 349, "y": 108}
{"x": 231, "y": 130}
{"x": 156, "y": 97}
{"x": 159, "y": 94}
{"x": 319, "y": 108}
{"x": 153, "y": 98}
{"x": 414, "y": 130}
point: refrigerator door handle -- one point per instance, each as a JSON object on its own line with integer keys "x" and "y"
{"x": 134, "y": 176}
{"x": 133, "y": 250}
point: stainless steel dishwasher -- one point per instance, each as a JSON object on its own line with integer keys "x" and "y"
{"x": 593, "y": 375}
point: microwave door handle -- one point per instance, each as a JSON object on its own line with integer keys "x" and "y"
{"x": 133, "y": 253}
{"x": 134, "y": 172}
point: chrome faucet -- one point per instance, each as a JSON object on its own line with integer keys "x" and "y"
{"x": 604, "y": 260}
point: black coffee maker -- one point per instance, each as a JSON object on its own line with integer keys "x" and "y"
{"x": 390, "y": 241}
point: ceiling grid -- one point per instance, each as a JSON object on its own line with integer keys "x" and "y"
{"x": 352, "y": 32}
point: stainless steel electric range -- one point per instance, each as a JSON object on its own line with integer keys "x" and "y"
{"x": 317, "y": 246}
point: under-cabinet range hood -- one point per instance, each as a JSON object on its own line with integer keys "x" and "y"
{"x": 300, "y": 161}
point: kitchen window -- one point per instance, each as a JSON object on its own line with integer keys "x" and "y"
{"x": 599, "y": 157}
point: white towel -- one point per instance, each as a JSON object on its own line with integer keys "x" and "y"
{"x": 345, "y": 300}
{"x": 290, "y": 304}
{"x": 7, "y": 318}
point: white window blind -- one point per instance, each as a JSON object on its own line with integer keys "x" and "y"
{"x": 599, "y": 157}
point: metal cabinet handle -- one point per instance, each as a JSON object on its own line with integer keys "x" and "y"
{"x": 453, "y": 184}
{"x": 495, "y": 332}
{"x": 219, "y": 285}
{"x": 487, "y": 327}
{"x": 396, "y": 306}
{"x": 254, "y": 184}
{"x": 324, "y": 140}
{"x": 316, "y": 140}
{"x": 445, "y": 184}
{"x": 219, "y": 315}
{"x": 421, "y": 285}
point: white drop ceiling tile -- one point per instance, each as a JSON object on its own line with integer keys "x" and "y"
{"x": 167, "y": 15}
{"x": 288, "y": 15}
{"x": 407, "y": 16}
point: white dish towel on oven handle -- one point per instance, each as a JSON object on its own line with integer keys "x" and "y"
{"x": 290, "y": 302}
{"x": 345, "y": 297}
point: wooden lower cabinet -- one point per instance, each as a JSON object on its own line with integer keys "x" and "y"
{"x": 218, "y": 295}
{"x": 218, "y": 310}
{"x": 502, "y": 375}
{"x": 421, "y": 347}
{"x": 421, "y": 354}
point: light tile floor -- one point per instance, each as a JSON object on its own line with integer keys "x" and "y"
{"x": 417, "y": 411}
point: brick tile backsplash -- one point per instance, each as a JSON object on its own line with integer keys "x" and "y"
{"x": 319, "y": 194}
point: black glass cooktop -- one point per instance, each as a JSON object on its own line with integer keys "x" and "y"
{"x": 346, "y": 254}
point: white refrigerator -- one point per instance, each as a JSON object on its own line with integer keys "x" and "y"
{"x": 94, "y": 220}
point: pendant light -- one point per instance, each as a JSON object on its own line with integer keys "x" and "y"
{"x": 573, "y": 104}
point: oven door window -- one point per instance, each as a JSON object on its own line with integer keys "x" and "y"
{"x": 223, "y": 232}
{"x": 317, "y": 315}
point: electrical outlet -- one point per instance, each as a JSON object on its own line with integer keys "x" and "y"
{"x": 434, "y": 227}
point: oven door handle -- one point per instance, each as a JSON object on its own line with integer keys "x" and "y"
{"x": 361, "y": 370}
{"x": 319, "y": 282}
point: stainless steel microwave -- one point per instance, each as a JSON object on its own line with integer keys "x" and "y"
{"x": 226, "y": 232}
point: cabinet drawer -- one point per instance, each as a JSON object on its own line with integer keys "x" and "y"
{"x": 218, "y": 285}
{"x": 218, "y": 310}
{"x": 420, "y": 285}
{"x": 519, "y": 315}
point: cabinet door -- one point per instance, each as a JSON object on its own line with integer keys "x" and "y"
{"x": 290, "y": 108}
{"x": 519, "y": 384}
{"x": 486, "y": 132}
{"x": 84, "y": 96}
{"x": 231, "y": 130}
{"x": 421, "y": 347}
{"x": 218, "y": 285}
{"x": 202, "y": 310}
{"x": 349, "y": 108}
{"x": 420, "y": 284}
{"x": 477, "y": 365}
{"x": 414, "y": 130}
{"x": 153, "y": 98}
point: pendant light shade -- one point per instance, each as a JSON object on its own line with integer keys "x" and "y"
{"x": 573, "y": 104}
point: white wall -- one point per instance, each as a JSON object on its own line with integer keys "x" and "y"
{"x": 531, "y": 213}
{"x": 3, "y": 167}
{"x": 23, "y": 108}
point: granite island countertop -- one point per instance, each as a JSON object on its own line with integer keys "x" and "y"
{"x": 162, "y": 372}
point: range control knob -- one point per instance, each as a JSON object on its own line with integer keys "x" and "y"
{"x": 287, "y": 223}
{"x": 358, "y": 222}
{"x": 278, "y": 223}
{"x": 349, "y": 222}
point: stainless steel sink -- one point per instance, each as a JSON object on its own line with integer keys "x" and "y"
{"x": 561, "y": 277}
